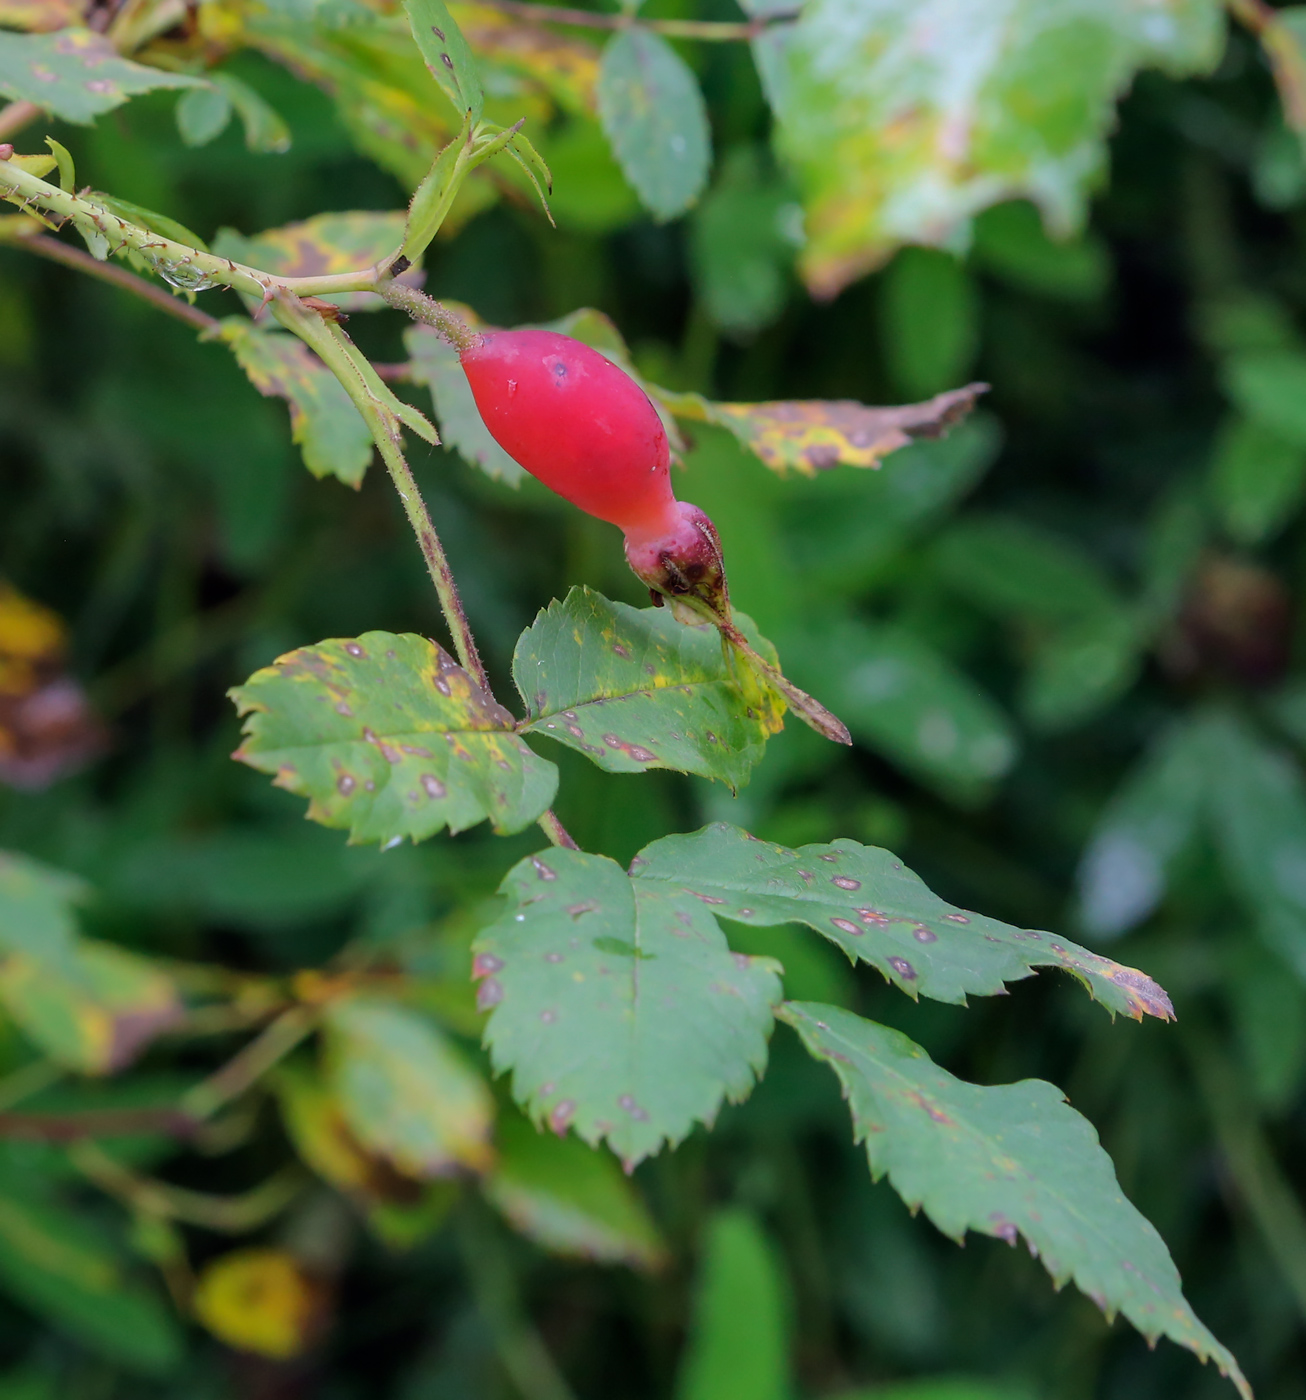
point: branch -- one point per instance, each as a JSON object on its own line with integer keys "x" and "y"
{"x": 1287, "y": 61}
{"x": 202, "y": 269}
{"x": 248, "y": 1065}
{"x": 712, "y": 31}
{"x": 45, "y": 246}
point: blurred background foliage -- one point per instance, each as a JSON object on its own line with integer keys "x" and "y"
{"x": 1067, "y": 640}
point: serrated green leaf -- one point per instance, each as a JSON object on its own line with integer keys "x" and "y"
{"x": 653, "y": 114}
{"x": 569, "y": 1198}
{"x": 75, "y": 73}
{"x": 54, "y": 1262}
{"x": 903, "y": 698}
{"x": 326, "y": 245}
{"x": 1008, "y": 1160}
{"x": 462, "y": 429}
{"x": 738, "y": 1343}
{"x": 1257, "y": 480}
{"x": 866, "y": 901}
{"x": 202, "y": 115}
{"x": 330, "y": 431}
{"x": 404, "y": 1090}
{"x": 634, "y": 689}
{"x": 94, "y": 1011}
{"x": 36, "y": 908}
{"x": 904, "y": 121}
{"x": 447, "y": 55}
{"x": 593, "y": 977}
{"x": 813, "y": 435}
{"x": 389, "y": 737}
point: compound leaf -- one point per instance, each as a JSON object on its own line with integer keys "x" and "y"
{"x": 330, "y": 431}
{"x": 76, "y": 74}
{"x": 1008, "y": 1160}
{"x": 405, "y": 1092}
{"x": 633, "y": 689}
{"x": 569, "y": 1198}
{"x": 865, "y": 900}
{"x": 653, "y": 114}
{"x": 617, "y": 1004}
{"x": 389, "y": 737}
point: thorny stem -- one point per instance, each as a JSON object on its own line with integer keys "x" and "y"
{"x": 27, "y": 189}
{"x": 713, "y": 31}
{"x": 556, "y": 832}
{"x": 47, "y": 247}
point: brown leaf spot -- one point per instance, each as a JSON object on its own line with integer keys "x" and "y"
{"x": 627, "y": 1102}
{"x": 956, "y": 918}
{"x": 903, "y": 968}
{"x": 345, "y": 784}
{"x": 543, "y": 871}
{"x": 561, "y": 1115}
{"x": 490, "y": 993}
{"x": 432, "y": 786}
{"x": 848, "y": 926}
{"x": 924, "y": 935}
{"x": 354, "y": 649}
{"x": 485, "y": 963}
{"x": 846, "y": 882}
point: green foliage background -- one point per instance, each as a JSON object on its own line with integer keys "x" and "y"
{"x": 1099, "y": 572}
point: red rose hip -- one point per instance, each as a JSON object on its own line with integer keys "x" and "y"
{"x": 578, "y": 423}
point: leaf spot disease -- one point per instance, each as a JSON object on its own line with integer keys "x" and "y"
{"x": 627, "y": 1101}
{"x": 562, "y": 1114}
{"x": 489, "y": 994}
{"x": 543, "y": 871}
{"x": 846, "y": 882}
{"x": 956, "y": 918}
{"x": 354, "y": 649}
{"x": 432, "y": 786}
{"x": 345, "y": 784}
{"x": 903, "y": 968}
{"x": 924, "y": 935}
{"x": 485, "y": 963}
{"x": 847, "y": 926}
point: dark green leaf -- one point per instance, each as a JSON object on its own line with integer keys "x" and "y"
{"x": 1257, "y": 480}
{"x": 404, "y": 1090}
{"x": 462, "y": 429}
{"x": 1149, "y": 821}
{"x": 864, "y": 899}
{"x": 447, "y": 55}
{"x": 52, "y": 1260}
{"x": 738, "y": 1343}
{"x": 592, "y": 979}
{"x": 634, "y": 689}
{"x": 653, "y": 114}
{"x": 203, "y": 114}
{"x": 330, "y": 431}
{"x": 1009, "y": 1160}
{"x": 1258, "y": 806}
{"x": 929, "y": 321}
{"x": 75, "y": 74}
{"x": 569, "y": 1198}
{"x": 1081, "y": 666}
{"x": 900, "y": 696}
{"x": 1270, "y": 388}
{"x": 1011, "y": 241}
{"x": 389, "y": 737}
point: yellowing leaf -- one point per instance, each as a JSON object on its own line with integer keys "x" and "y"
{"x": 405, "y": 1091}
{"x": 93, "y": 1011}
{"x": 40, "y": 16}
{"x": 260, "y": 1301}
{"x": 565, "y": 66}
{"x": 324, "y": 422}
{"x": 812, "y": 435}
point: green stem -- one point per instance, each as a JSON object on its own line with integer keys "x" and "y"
{"x": 249, "y": 1065}
{"x": 340, "y": 356}
{"x": 25, "y": 189}
{"x": 448, "y": 325}
{"x": 533, "y": 1372}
